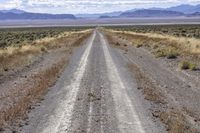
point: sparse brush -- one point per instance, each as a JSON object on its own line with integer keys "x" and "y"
{"x": 160, "y": 53}
{"x": 184, "y": 65}
{"x": 172, "y": 55}
{"x": 117, "y": 44}
{"x": 138, "y": 45}
{"x": 43, "y": 49}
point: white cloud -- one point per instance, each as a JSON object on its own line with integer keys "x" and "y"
{"x": 194, "y": 1}
{"x": 84, "y": 6}
{"x": 10, "y": 4}
{"x": 97, "y": 2}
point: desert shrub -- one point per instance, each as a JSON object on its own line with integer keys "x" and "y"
{"x": 138, "y": 45}
{"x": 172, "y": 55}
{"x": 160, "y": 53}
{"x": 176, "y": 30}
{"x": 16, "y": 36}
{"x": 3, "y": 43}
{"x": 117, "y": 44}
{"x": 184, "y": 65}
{"x": 43, "y": 49}
{"x": 164, "y": 52}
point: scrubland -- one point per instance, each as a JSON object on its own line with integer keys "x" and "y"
{"x": 165, "y": 62}
{"x": 163, "y": 41}
{"x": 31, "y": 61}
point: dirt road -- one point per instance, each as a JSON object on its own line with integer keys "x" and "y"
{"x": 95, "y": 94}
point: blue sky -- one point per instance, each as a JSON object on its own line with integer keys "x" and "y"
{"x": 88, "y": 6}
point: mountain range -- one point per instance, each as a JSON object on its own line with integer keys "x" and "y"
{"x": 187, "y": 9}
{"x": 176, "y": 11}
{"x": 152, "y": 13}
{"x": 15, "y": 14}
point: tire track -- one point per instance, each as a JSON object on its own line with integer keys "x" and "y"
{"x": 63, "y": 124}
{"x": 129, "y": 121}
{"x": 93, "y": 112}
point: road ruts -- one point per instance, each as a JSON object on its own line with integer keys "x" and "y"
{"x": 94, "y": 110}
{"x": 95, "y": 94}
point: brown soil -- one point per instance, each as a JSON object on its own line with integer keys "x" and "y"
{"x": 23, "y": 86}
{"x": 176, "y": 118}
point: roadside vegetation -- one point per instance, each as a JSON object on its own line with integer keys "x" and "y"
{"x": 43, "y": 52}
{"x": 20, "y": 45}
{"x": 164, "y": 41}
{"x": 190, "y": 30}
{"x": 23, "y": 36}
{"x": 178, "y": 51}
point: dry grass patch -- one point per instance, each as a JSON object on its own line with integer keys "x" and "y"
{"x": 166, "y": 46}
{"x": 184, "y": 65}
{"x": 150, "y": 90}
{"x": 171, "y": 116}
{"x": 176, "y": 122}
{"x": 12, "y": 57}
{"x": 17, "y": 99}
{"x": 190, "y": 45}
{"x": 26, "y": 94}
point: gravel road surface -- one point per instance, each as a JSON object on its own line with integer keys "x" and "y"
{"x": 95, "y": 94}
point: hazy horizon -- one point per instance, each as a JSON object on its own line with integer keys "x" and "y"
{"x": 88, "y": 6}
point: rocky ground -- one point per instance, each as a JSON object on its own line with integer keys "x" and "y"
{"x": 111, "y": 86}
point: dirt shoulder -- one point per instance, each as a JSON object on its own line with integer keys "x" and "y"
{"x": 174, "y": 93}
{"x": 24, "y": 84}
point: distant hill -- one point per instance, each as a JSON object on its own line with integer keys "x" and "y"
{"x": 101, "y": 17}
{"x": 26, "y": 15}
{"x": 176, "y": 11}
{"x": 152, "y": 13}
{"x": 196, "y": 14}
{"x": 17, "y": 11}
{"x": 98, "y": 15}
{"x": 185, "y": 8}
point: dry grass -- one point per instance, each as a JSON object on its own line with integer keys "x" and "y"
{"x": 188, "y": 65}
{"x": 18, "y": 101}
{"x": 188, "y": 45}
{"x": 166, "y": 46}
{"x": 12, "y": 57}
{"x": 176, "y": 122}
{"x": 171, "y": 116}
{"x": 22, "y": 98}
{"x": 150, "y": 90}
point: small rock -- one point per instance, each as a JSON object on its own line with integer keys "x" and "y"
{"x": 98, "y": 99}
{"x": 155, "y": 114}
{"x": 79, "y": 99}
{"x": 188, "y": 86}
{"x": 5, "y": 69}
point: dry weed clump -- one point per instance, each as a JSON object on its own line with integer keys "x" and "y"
{"x": 184, "y": 65}
{"x": 12, "y": 57}
{"x": 28, "y": 93}
{"x": 174, "y": 119}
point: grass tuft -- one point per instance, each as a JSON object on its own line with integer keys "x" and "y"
{"x": 184, "y": 65}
